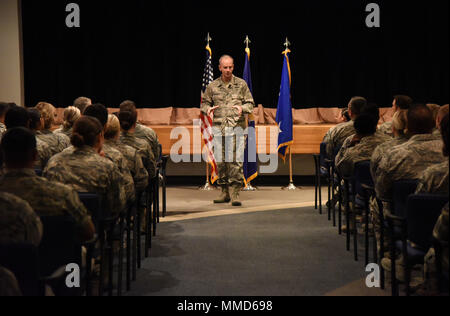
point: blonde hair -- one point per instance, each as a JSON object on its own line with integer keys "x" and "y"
{"x": 112, "y": 127}
{"x": 400, "y": 121}
{"x": 71, "y": 115}
{"x": 47, "y": 112}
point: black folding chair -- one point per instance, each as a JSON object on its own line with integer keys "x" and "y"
{"x": 59, "y": 247}
{"x": 422, "y": 212}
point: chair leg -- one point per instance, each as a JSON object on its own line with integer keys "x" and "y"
{"x": 164, "y": 195}
{"x": 128, "y": 228}
{"x": 340, "y": 213}
{"x": 355, "y": 231}
{"x": 366, "y": 231}
{"x": 320, "y": 195}
{"x": 347, "y": 209}
{"x": 316, "y": 181}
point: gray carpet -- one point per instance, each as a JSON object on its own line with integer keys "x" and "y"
{"x": 292, "y": 252}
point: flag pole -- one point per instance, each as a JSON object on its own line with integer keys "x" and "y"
{"x": 291, "y": 186}
{"x": 207, "y": 186}
{"x": 248, "y": 185}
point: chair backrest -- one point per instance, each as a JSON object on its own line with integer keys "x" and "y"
{"x": 401, "y": 190}
{"x": 160, "y": 152}
{"x": 60, "y": 244}
{"x": 93, "y": 204}
{"x": 22, "y": 260}
{"x": 362, "y": 175}
{"x": 423, "y": 211}
{"x": 323, "y": 155}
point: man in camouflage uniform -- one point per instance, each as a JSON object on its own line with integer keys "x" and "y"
{"x": 401, "y": 102}
{"x": 336, "y": 136}
{"x": 143, "y": 149}
{"x": 359, "y": 147}
{"x": 227, "y": 99}
{"x": 18, "y": 221}
{"x": 409, "y": 160}
{"x": 47, "y": 198}
{"x": 142, "y": 131}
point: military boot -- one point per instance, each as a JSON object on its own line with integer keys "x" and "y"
{"x": 235, "y": 196}
{"x": 224, "y": 197}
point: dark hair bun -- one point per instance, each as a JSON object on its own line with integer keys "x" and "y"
{"x": 127, "y": 120}
{"x": 77, "y": 140}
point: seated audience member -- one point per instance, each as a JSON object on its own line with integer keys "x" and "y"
{"x": 18, "y": 221}
{"x": 359, "y": 147}
{"x": 128, "y": 127}
{"x": 84, "y": 169}
{"x": 82, "y": 103}
{"x": 57, "y": 142}
{"x": 399, "y": 125}
{"x": 3, "y": 109}
{"x": 100, "y": 112}
{"x": 434, "y": 108}
{"x": 134, "y": 160}
{"x": 71, "y": 115}
{"x": 401, "y": 102}
{"x": 435, "y": 178}
{"x": 141, "y": 131}
{"x": 8, "y": 284}
{"x": 409, "y": 160}
{"x": 47, "y": 198}
{"x": 19, "y": 117}
{"x": 336, "y": 136}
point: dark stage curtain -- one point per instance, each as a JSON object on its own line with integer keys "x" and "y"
{"x": 153, "y": 51}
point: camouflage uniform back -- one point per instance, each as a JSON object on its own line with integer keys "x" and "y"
{"x": 134, "y": 163}
{"x": 407, "y": 162}
{"x": 386, "y": 128}
{"x": 349, "y": 156}
{"x": 336, "y": 136}
{"x": 57, "y": 142}
{"x": 434, "y": 179}
{"x": 44, "y": 154}
{"x": 64, "y": 131}
{"x": 383, "y": 150}
{"x": 85, "y": 170}
{"x": 143, "y": 149}
{"x": 118, "y": 159}
{"x": 150, "y": 136}
{"x": 18, "y": 221}
{"x": 47, "y": 198}
{"x": 2, "y": 130}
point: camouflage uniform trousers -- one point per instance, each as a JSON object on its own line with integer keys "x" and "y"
{"x": 376, "y": 221}
{"x": 230, "y": 162}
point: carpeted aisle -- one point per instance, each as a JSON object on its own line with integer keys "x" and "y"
{"x": 292, "y": 252}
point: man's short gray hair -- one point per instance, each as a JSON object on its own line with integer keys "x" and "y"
{"x": 225, "y": 57}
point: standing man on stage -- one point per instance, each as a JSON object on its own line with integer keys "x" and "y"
{"x": 226, "y": 100}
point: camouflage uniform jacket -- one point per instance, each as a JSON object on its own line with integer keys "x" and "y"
{"x": 149, "y": 135}
{"x": 44, "y": 154}
{"x": 383, "y": 150}
{"x": 57, "y": 142}
{"x": 134, "y": 162}
{"x": 434, "y": 179}
{"x": 47, "y": 198}
{"x": 349, "y": 156}
{"x": 143, "y": 149}
{"x": 225, "y": 96}
{"x": 336, "y": 136}
{"x": 127, "y": 180}
{"x": 64, "y": 131}
{"x": 18, "y": 221}
{"x": 407, "y": 162}
{"x": 386, "y": 128}
{"x": 85, "y": 170}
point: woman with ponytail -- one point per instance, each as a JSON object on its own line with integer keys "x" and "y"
{"x": 83, "y": 168}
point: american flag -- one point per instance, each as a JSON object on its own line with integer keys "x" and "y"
{"x": 206, "y": 121}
